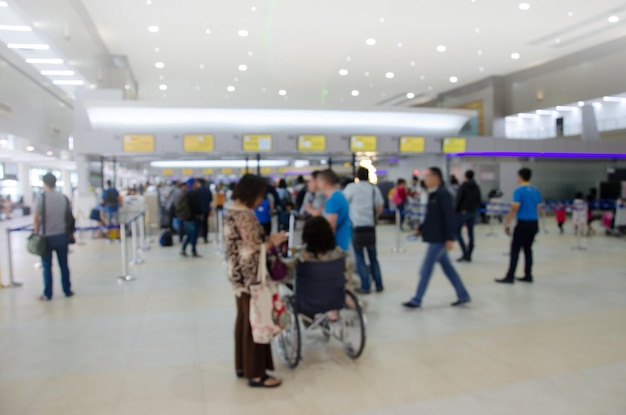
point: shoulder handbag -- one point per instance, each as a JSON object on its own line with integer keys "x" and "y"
{"x": 268, "y": 314}
{"x": 36, "y": 243}
{"x": 70, "y": 222}
{"x": 365, "y": 236}
{"x": 277, "y": 269}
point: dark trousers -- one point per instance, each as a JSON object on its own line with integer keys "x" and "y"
{"x": 250, "y": 358}
{"x": 401, "y": 207}
{"x": 267, "y": 228}
{"x": 191, "y": 237}
{"x": 204, "y": 226}
{"x": 364, "y": 271}
{"x": 523, "y": 238}
{"x": 468, "y": 219}
{"x": 59, "y": 244}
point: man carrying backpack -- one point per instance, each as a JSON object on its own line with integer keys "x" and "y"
{"x": 189, "y": 212}
{"x": 111, "y": 202}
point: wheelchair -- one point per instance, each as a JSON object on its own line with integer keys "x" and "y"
{"x": 319, "y": 287}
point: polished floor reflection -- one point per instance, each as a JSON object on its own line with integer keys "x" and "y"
{"x": 163, "y": 344}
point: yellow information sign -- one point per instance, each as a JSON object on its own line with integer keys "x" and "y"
{"x": 198, "y": 143}
{"x": 227, "y": 171}
{"x": 412, "y": 144}
{"x": 283, "y": 170}
{"x": 454, "y": 145}
{"x": 266, "y": 170}
{"x": 246, "y": 171}
{"x": 187, "y": 172}
{"x": 311, "y": 143}
{"x": 207, "y": 172}
{"x": 359, "y": 143}
{"x": 257, "y": 143}
{"x": 138, "y": 143}
{"x": 167, "y": 172}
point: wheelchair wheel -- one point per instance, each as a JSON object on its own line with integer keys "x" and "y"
{"x": 288, "y": 343}
{"x": 352, "y": 323}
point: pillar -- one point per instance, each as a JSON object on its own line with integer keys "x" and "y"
{"x": 66, "y": 177}
{"x": 590, "y": 125}
{"x": 23, "y": 178}
{"x": 82, "y": 168}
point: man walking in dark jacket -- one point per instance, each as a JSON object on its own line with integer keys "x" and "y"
{"x": 439, "y": 232}
{"x": 467, "y": 204}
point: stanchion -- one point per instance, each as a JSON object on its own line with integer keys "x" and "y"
{"x": 491, "y": 218}
{"x": 145, "y": 242}
{"x": 125, "y": 274}
{"x": 543, "y": 220}
{"x": 292, "y": 230}
{"x": 11, "y": 283}
{"x": 136, "y": 260}
{"x": 581, "y": 230}
{"x": 397, "y": 249}
{"x": 220, "y": 232}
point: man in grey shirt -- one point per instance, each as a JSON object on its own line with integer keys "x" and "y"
{"x": 366, "y": 204}
{"x": 314, "y": 200}
{"x": 50, "y": 219}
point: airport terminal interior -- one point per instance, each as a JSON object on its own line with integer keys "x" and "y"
{"x": 166, "y": 121}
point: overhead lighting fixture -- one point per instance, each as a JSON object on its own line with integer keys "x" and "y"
{"x": 366, "y": 74}
{"x": 148, "y": 2}
{"x": 399, "y": 44}
{"x": 453, "y": 79}
{"x": 515, "y": 56}
{"x": 389, "y": 75}
{"x": 560, "y": 108}
{"x": 597, "y": 104}
{"x": 557, "y": 40}
{"x": 479, "y": 52}
{"x": 581, "y": 104}
{"x": 163, "y": 87}
{"x": 67, "y": 82}
{"x": 243, "y": 68}
{"x": 410, "y": 95}
{"x": 4, "y": 4}
{"x": 242, "y": 33}
{"x": 613, "y": 19}
{"x": 370, "y": 42}
{"x": 12, "y": 28}
{"x": 481, "y": 69}
{"x": 252, "y": 9}
{"x": 230, "y": 88}
{"x": 524, "y": 6}
{"x": 153, "y": 29}
{"x": 355, "y": 93}
{"x": 412, "y": 63}
{"x": 51, "y": 61}
{"x": 159, "y": 65}
{"x": 282, "y": 92}
{"x": 29, "y": 46}
{"x": 381, "y": 20}
{"x": 207, "y": 31}
{"x": 157, "y": 50}
{"x": 570, "y": 14}
{"x": 614, "y": 99}
{"x": 49, "y": 153}
{"x": 441, "y": 48}
{"x": 198, "y": 164}
{"x": 529, "y": 116}
{"x": 30, "y": 148}
{"x": 58, "y": 73}
{"x": 343, "y": 72}
{"x": 546, "y": 112}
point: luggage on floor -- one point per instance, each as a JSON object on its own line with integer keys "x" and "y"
{"x": 114, "y": 233}
{"x": 166, "y": 239}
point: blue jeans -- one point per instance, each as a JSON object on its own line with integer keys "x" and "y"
{"x": 362, "y": 269}
{"x": 468, "y": 219}
{"x": 191, "y": 237}
{"x": 438, "y": 253}
{"x": 401, "y": 207}
{"x": 59, "y": 244}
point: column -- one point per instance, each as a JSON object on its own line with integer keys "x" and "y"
{"x": 82, "y": 168}
{"x": 23, "y": 178}
{"x": 590, "y": 125}
{"x": 67, "y": 183}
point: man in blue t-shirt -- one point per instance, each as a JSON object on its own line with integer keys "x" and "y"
{"x": 336, "y": 210}
{"x": 111, "y": 202}
{"x": 526, "y": 208}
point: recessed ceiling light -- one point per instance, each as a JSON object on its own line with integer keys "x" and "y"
{"x": 481, "y": 69}
{"x": 230, "y": 88}
{"x": 49, "y": 153}
{"x": 343, "y": 72}
{"x": 127, "y": 87}
{"x": 410, "y": 95}
{"x": 243, "y": 68}
{"x": 29, "y": 46}
{"x": 242, "y": 33}
{"x": 163, "y": 87}
{"x": 477, "y": 30}
{"x": 570, "y": 14}
{"x": 479, "y": 52}
{"x": 613, "y": 19}
{"x": 4, "y": 4}
{"x": 76, "y": 82}
{"x": 422, "y": 77}
{"x": 58, "y": 73}
{"x": 454, "y": 79}
{"x": 515, "y": 55}
{"x": 161, "y": 78}
{"x": 208, "y": 31}
{"x": 412, "y": 63}
{"x": 263, "y": 90}
{"x": 12, "y": 28}
{"x": 441, "y": 48}
{"x": 30, "y": 148}
{"x": 389, "y": 75}
{"x": 399, "y": 44}
{"x": 197, "y": 88}
{"x": 153, "y": 29}
{"x": 370, "y": 42}
{"x": 201, "y": 66}
{"x": 250, "y": 53}
{"x": 355, "y": 93}
{"x": 253, "y": 9}
{"x": 581, "y": 104}
{"x": 159, "y": 65}
{"x": 148, "y": 2}
{"x": 349, "y": 59}
{"x": 236, "y": 79}
{"x": 381, "y": 20}
{"x": 557, "y": 40}
{"x": 367, "y": 74}
{"x": 282, "y": 92}
{"x": 524, "y": 6}
{"x": 51, "y": 61}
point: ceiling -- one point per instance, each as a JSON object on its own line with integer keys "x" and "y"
{"x": 301, "y": 46}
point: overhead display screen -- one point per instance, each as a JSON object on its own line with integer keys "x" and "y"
{"x": 193, "y": 143}
{"x": 454, "y": 145}
{"x": 307, "y": 143}
{"x": 138, "y": 143}
{"x": 359, "y": 143}
{"x": 257, "y": 143}
{"x": 412, "y": 144}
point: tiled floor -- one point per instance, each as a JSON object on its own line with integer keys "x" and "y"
{"x": 163, "y": 344}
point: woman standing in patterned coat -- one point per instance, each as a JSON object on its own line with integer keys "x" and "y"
{"x": 243, "y": 236}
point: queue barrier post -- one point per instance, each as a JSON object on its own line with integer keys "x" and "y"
{"x": 145, "y": 243}
{"x": 12, "y": 283}
{"x": 291, "y": 236}
{"x": 126, "y": 276}
{"x": 136, "y": 259}
{"x": 220, "y": 232}
{"x": 397, "y": 249}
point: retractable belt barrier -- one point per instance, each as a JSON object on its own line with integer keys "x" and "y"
{"x": 138, "y": 232}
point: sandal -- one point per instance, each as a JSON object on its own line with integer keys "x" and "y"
{"x": 261, "y": 383}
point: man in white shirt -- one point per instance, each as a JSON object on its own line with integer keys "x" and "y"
{"x": 366, "y": 204}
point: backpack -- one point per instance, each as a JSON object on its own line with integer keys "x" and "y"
{"x": 262, "y": 212}
{"x": 166, "y": 239}
{"x": 111, "y": 197}
{"x": 300, "y": 198}
{"x": 183, "y": 209}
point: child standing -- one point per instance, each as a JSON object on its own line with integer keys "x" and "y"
{"x": 561, "y": 216}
